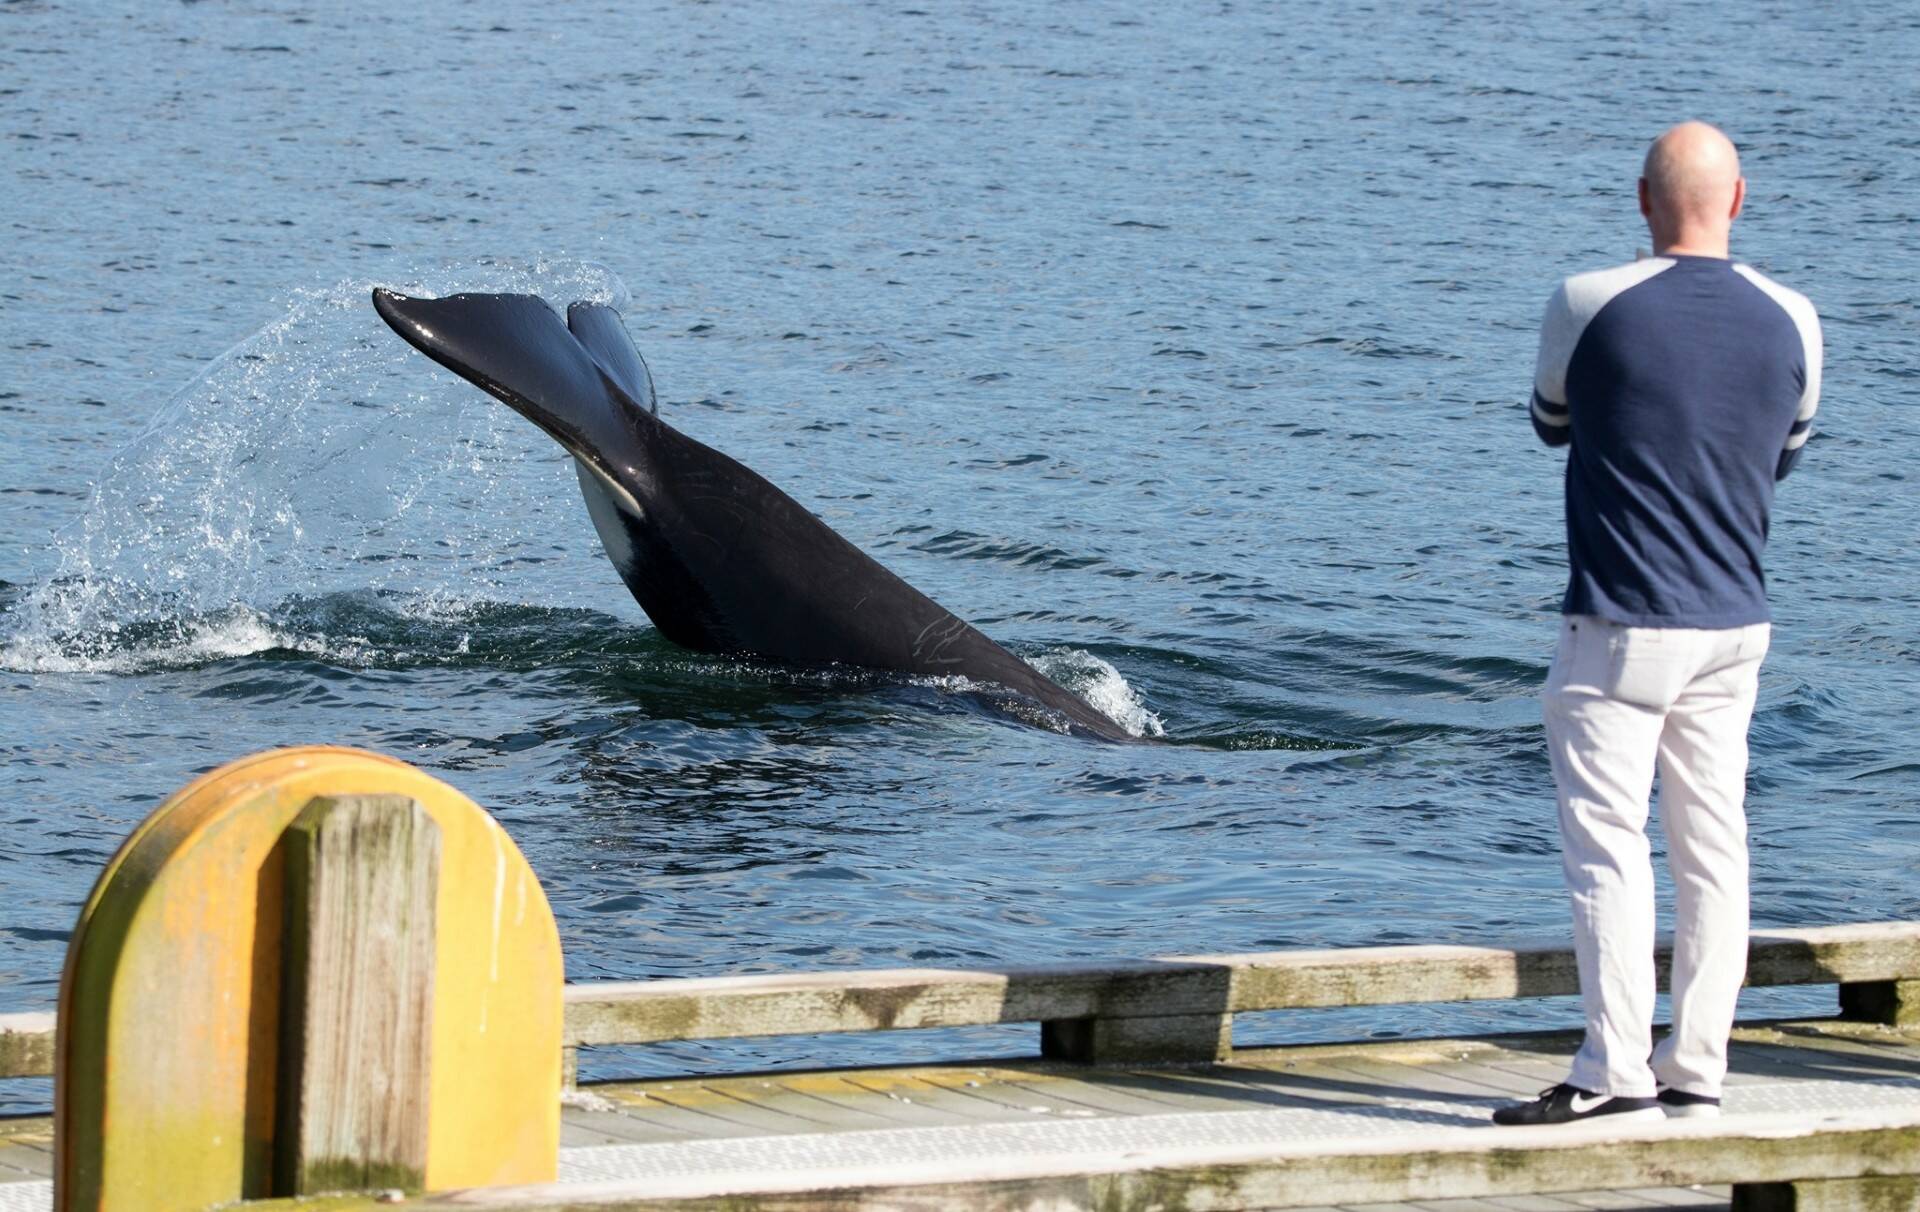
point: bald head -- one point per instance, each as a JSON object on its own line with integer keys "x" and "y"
{"x": 1691, "y": 190}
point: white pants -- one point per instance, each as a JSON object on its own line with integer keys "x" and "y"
{"x": 1619, "y": 702}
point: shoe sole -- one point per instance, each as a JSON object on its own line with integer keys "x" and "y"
{"x": 1692, "y": 1111}
{"x": 1645, "y": 1115}
{"x": 1641, "y": 1115}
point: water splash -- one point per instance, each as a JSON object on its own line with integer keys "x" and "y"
{"x": 1105, "y": 687}
{"x": 237, "y": 631}
{"x": 313, "y": 487}
{"x": 313, "y": 457}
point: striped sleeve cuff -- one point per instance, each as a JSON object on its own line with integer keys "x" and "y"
{"x": 1788, "y": 458}
{"x": 1552, "y": 422}
{"x": 1795, "y": 447}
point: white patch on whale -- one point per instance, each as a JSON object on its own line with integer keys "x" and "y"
{"x": 612, "y": 511}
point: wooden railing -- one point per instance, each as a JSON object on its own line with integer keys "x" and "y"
{"x": 1177, "y": 1008}
{"x": 1181, "y": 1007}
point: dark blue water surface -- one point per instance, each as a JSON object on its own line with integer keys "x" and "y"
{"x": 1182, "y": 347}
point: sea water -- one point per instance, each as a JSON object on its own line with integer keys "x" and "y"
{"x": 1183, "y": 348}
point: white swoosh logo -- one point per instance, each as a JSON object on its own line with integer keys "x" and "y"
{"x": 1582, "y": 1103}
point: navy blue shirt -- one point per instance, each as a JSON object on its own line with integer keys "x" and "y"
{"x": 1685, "y": 387}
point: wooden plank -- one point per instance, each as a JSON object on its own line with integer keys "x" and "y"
{"x": 1887, "y": 1054}
{"x": 1016, "y": 1103}
{"x": 31, "y": 1134}
{"x": 1527, "y": 1075}
{"x": 1760, "y": 1066}
{"x": 1437, "y": 1050}
{"x": 1773, "y": 1065}
{"x": 1612, "y": 1201}
{"x": 1370, "y": 1077}
{"x": 1878, "y": 951}
{"x": 1459, "y": 1081}
{"x": 1447, "y": 1164}
{"x": 26, "y": 1045}
{"x": 1091, "y": 1092}
{"x": 1116, "y": 1086}
{"x": 1124, "y": 1084}
{"x": 806, "y": 1003}
{"x": 847, "y": 1108}
{"x": 647, "y": 1121}
{"x": 730, "y": 1007}
{"x": 1677, "y": 1197}
{"x": 1816, "y": 955}
{"x": 728, "y": 1116}
{"x": 31, "y": 1162}
{"x": 795, "y": 1112}
{"x": 1215, "y": 1089}
{"x": 880, "y": 1000}
{"x": 890, "y": 1099}
{"x": 576, "y": 1133}
{"x": 970, "y": 1102}
{"x": 1373, "y": 976}
{"x": 1319, "y": 1083}
{"x": 362, "y": 878}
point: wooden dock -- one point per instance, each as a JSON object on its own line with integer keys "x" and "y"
{"x": 1012, "y": 1130}
{"x": 207, "y": 1055}
{"x": 1380, "y": 1126}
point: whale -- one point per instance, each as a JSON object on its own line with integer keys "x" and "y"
{"x": 720, "y": 559}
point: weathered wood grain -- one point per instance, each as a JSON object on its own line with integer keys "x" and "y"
{"x": 901, "y": 1110}
{"x": 885, "y": 999}
{"x": 1450, "y": 1163}
{"x": 1877, "y": 965}
{"x": 1197, "y": 986}
{"x": 26, "y": 1045}
{"x": 362, "y": 874}
{"x": 169, "y": 1025}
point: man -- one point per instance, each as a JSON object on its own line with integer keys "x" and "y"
{"x": 1684, "y": 386}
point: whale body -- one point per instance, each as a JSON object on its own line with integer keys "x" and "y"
{"x": 720, "y": 559}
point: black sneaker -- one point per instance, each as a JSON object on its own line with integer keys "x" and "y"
{"x": 1567, "y": 1104}
{"x": 1678, "y": 1104}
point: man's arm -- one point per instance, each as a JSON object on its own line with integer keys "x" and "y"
{"x": 1808, "y": 323}
{"x": 1552, "y": 420}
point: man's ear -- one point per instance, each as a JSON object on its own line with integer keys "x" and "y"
{"x": 1646, "y": 208}
{"x": 1739, "y": 198}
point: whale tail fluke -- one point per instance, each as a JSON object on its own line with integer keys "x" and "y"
{"x": 515, "y": 348}
{"x": 597, "y": 327}
{"x": 719, "y": 558}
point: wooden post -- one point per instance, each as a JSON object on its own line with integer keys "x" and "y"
{"x": 425, "y": 1057}
{"x": 1173, "y": 1039}
{"x": 26, "y": 1044}
{"x": 1894, "y": 1193}
{"x": 1894, "y": 1003}
{"x": 356, "y": 1020}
